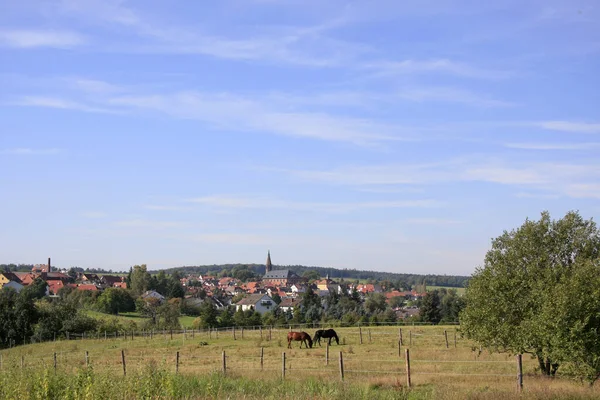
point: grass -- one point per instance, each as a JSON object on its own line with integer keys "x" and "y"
{"x": 374, "y": 369}
{"x": 185, "y": 320}
{"x": 459, "y": 290}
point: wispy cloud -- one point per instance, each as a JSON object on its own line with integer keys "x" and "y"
{"x": 59, "y": 103}
{"x": 451, "y": 95}
{"x": 270, "y": 203}
{"x": 570, "y": 126}
{"x": 40, "y": 38}
{"x": 570, "y": 179}
{"x": 27, "y": 151}
{"x": 554, "y": 146}
{"x": 440, "y": 66}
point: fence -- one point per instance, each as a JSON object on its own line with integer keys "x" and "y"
{"x": 422, "y": 354}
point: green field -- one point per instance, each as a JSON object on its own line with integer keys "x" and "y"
{"x": 185, "y": 320}
{"x": 459, "y": 290}
{"x": 191, "y": 366}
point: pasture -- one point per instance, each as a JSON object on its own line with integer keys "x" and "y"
{"x": 257, "y": 364}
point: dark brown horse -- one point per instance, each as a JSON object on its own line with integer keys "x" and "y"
{"x": 326, "y": 334}
{"x": 302, "y": 337}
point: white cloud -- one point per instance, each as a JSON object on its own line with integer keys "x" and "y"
{"x": 553, "y": 146}
{"x": 39, "y": 38}
{"x": 569, "y": 126}
{"x": 450, "y": 95}
{"x": 443, "y": 66}
{"x": 270, "y": 203}
{"x": 59, "y": 103}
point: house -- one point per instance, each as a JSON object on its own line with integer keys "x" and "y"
{"x": 153, "y": 294}
{"x": 90, "y": 287}
{"x": 281, "y": 277}
{"x": 6, "y": 277}
{"x": 110, "y": 280}
{"x": 54, "y": 286}
{"x": 260, "y": 303}
{"x": 120, "y": 285}
{"x": 25, "y": 277}
{"x": 369, "y": 288}
{"x": 90, "y": 278}
{"x": 55, "y": 276}
{"x": 290, "y": 304}
{"x": 17, "y": 287}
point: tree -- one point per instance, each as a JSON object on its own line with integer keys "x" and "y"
{"x": 375, "y": 302}
{"x": 430, "y": 308}
{"x": 140, "y": 279}
{"x": 525, "y": 271}
{"x": 115, "y": 300}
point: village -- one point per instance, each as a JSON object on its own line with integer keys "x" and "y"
{"x": 279, "y": 289}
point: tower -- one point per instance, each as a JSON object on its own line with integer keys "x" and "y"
{"x": 268, "y": 265}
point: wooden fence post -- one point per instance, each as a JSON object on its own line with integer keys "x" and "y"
{"x": 22, "y": 361}
{"x": 224, "y": 363}
{"x": 177, "y": 363}
{"x": 327, "y": 354}
{"x": 446, "y": 337}
{"x": 341, "y": 366}
{"x": 360, "y": 334}
{"x": 262, "y": 357}
{"x": 233, "y": 331}
{"x": 123, "y": 360}
{"x": 369, "y": 330}
{"x": 87, "y": 359}
{"x": 55, "y": 363}
{"x": 400, "y": 348}
{"x": 260, "y": 332}
{"x": 407, "y": 368}
{"x": 455, "y": 339}
{"x": 400, "y": 334}
{"x": 519, "y": 373}
{"x": 270, "y": 332}
{"x": 1, "y": 360}
{"x": 242, "y": 332}
{"x": 283, "y": 365}
{"x": 410, "y": 338}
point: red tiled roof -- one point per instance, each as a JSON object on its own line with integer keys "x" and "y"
{"x": 55, "y": 285}
{"x": 87, "y": 287}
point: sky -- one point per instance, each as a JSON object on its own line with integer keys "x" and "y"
{"x": 396, "y": 136}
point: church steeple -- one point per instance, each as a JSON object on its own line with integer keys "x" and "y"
{"x": 268, "y": 265}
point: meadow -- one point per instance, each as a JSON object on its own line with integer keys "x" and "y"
{"x": 191, "y": 365}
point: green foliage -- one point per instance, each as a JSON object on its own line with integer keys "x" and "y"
{"x": 115, "y": 300}
{"x": 140, "y": 279}
{"x": 528, "y": 273}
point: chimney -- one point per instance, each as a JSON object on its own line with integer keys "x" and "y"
{"x": 49, "y": 265}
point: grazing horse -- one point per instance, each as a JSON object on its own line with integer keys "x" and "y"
{"x": 326, "y": 333}
{"x": 302, "y": 337}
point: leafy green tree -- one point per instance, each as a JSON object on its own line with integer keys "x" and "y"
{"x": 276, "y": 298}
{"x": 115, "y": 300}
{"x": 397, "y": 301}
{"x": 207, "y": 315}
{"x": 311, "y": 275}
{"x": 35, "y": 290}
{"x": 430, "y": 308}
{"x": 375, "y": 302}
{"x": 523, "y": 272}
{"x": 174, "y": 289}
{"x": 140, "y": 279}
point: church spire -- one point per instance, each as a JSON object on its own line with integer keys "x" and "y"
{"x": 268, "y": 265}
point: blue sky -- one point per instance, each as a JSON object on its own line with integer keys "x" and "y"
{"x": 382, "y": 135}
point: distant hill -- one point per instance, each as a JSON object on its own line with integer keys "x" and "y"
{"x": 346, "y": 274}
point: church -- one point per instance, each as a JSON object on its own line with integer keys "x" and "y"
{"x": 279, "y": 277}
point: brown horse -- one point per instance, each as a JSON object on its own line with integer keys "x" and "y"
{"x": 302, "y": 337}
